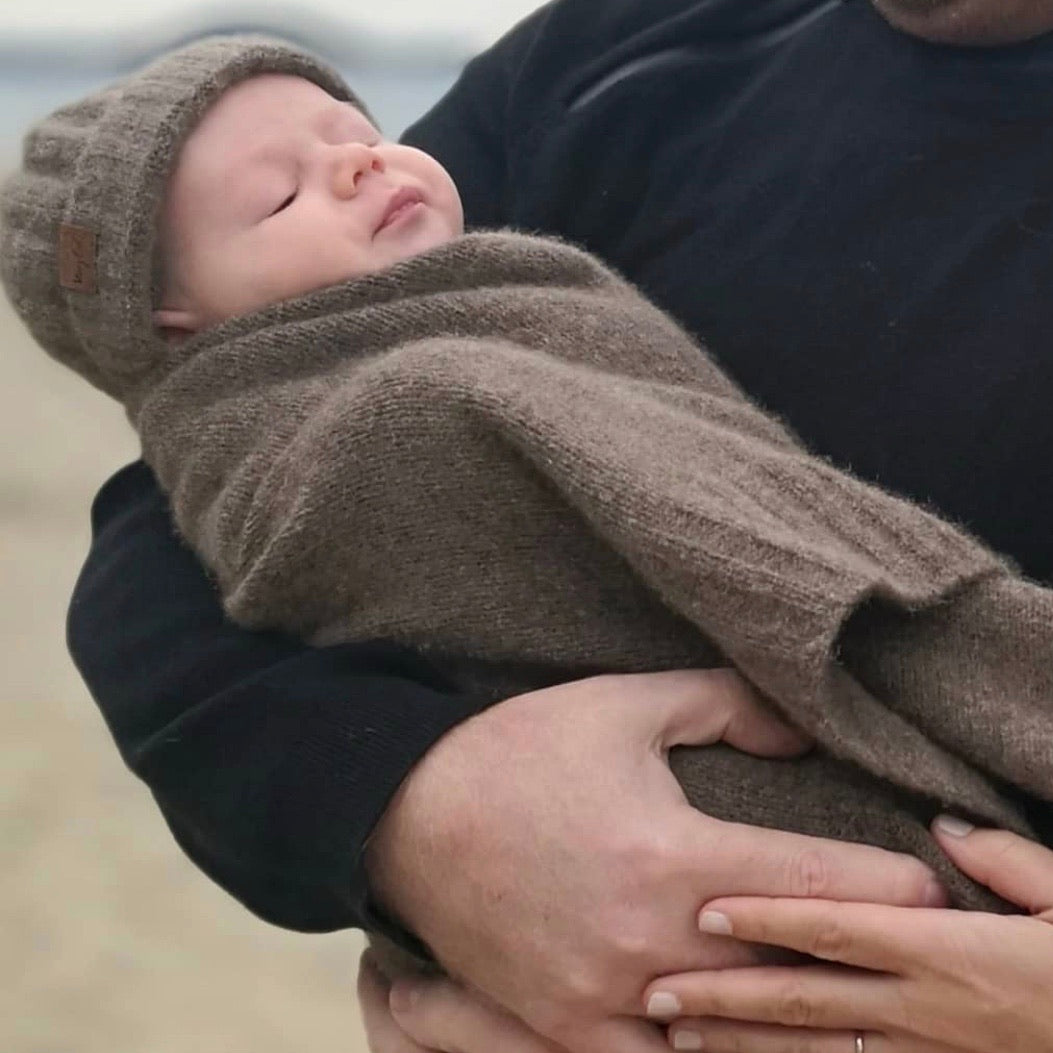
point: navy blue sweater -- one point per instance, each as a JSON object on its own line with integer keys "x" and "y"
{"x": 860, "y": 225}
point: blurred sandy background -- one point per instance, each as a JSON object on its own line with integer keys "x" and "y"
{"x": 110, "y": 940}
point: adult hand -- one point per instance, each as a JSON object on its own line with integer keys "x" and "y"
{"x": 422, "y": 1014}
{"x": 549, "y": 859}
{"x": 921, "y": 981}
{"x": 970, "y": 22}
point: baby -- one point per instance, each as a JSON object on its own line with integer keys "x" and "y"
{"x": 490, "y": 447}
{"x": 281, "y": 189}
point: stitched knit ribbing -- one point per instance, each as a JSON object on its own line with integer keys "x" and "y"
{"x": 502, "y": 454}
{"x": 99, "y": 168}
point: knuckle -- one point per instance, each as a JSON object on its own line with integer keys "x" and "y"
{"x": 793, "y": 1008}
{"x": 630, "y": 945}
{"x": 650, "y": 857}
{"x": 583, "y": 990}
{"x": 831, "y": 940}
{"x": 809, "y": 874}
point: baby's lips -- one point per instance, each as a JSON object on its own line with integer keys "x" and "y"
{"x": 399, "y": 200}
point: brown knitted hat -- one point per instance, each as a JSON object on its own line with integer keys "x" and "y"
{"x": 79, "y": 221}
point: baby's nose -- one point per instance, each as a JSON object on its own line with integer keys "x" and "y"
{"x": 352, "y": 162}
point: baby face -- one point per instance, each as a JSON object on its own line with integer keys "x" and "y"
{"x": 282, "y": 189}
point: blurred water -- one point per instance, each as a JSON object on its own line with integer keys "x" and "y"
{"x": 396, "y": 97}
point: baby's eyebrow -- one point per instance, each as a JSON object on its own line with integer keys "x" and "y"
{"x": 245, "y": 170}
{"x": 334, "y": 117}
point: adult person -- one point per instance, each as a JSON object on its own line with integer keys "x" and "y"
{"x": 938, "y": 981}
{"x": 809, "y": 190}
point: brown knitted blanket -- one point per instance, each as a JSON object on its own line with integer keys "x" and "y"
{"x": 500, "y": 453}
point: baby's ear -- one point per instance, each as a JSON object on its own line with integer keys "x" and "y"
{"x": 175, "y": 324}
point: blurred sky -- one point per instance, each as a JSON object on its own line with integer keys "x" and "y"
{"x": 477, "y": 22}
{"x": 109, "y": 32}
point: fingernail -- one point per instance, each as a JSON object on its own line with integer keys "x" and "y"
{"x": 403, "y": 996}
{"x": 663, "y": 1004}
{"x": 715, "y": 923}
{"x": 949, "y": 824}
{"x": 687, "y": 1040}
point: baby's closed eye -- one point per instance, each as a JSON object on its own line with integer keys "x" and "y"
{"x": 285, "y": 203}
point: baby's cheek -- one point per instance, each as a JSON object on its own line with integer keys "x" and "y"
{"x": 282, "y": 274}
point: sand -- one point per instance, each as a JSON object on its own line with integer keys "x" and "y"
{"x": 112, "y": 942}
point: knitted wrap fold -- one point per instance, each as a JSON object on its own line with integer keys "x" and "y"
{"x": 78, "y": 222}
{"x": 500, "y": 453}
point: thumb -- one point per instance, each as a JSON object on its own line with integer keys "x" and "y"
{"x": 383, "y": 1034}
{"x": 718, "y": 705}
{"x": 1019, "y": 870}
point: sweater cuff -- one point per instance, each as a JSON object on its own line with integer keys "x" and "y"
{"x": 332, "y": 748}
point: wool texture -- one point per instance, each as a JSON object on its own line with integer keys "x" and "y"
{"x": 500, "y": 453}
{"x": 78, "y": 220}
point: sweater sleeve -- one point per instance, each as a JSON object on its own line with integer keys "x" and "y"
{"x": 270, "y": 761}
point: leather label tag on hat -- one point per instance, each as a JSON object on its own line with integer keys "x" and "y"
{"x": 76, "y": 259}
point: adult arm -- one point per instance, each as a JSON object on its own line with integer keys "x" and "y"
{"x": 970, "y": 22}
{"x": 270, "y": 761}
{"x": 545, "y": 853}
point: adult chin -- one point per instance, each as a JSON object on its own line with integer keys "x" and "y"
{"x": 969, "y": 23}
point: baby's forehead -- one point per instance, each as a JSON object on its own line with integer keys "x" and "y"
{"x": 254, "y": 120}
{"x": 273, "y": 100}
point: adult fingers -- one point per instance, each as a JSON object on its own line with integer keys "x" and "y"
{"x": 866, "y": 935}
{"x": 728, "y": 1036}
{"x": 703, "y": 706}
{"x": 383, "y": 1034}
{"x": 755, "y": 861}
{"x": 438, "y": 1014}
{"x": 1019, "y": 870}
{"x": 796, "y": 997}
